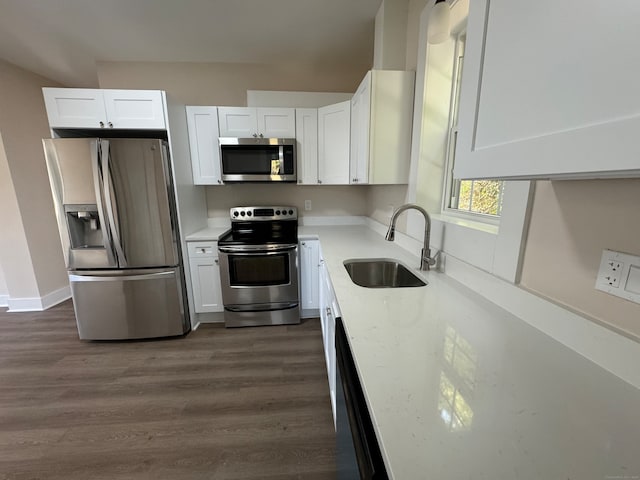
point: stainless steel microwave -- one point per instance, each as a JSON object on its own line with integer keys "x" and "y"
{"x": 258, "y": 159}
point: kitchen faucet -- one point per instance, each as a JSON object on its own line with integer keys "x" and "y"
{"x": 425, "y": 258}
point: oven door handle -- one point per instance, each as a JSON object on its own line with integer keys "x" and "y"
{"x": 257, "y": 250}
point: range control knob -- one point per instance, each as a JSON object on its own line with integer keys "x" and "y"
{"x": 249, "y": 213}
{"x": 242, "y": 213}
{"x": 235, "y": 214}
{"x": 277, "y": 212}
{"x": 290, "y": 212}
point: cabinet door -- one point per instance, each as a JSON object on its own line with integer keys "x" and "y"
{"x": 75, "y": 107}
{"x": 203, "y": 142}
{"x": 334, "y": 124}
{"x": 276, "y": 122}
{"x": 549, "y": 92}
{"x": 135, "y": 109}
{"x": 237, "y": 122}
{"x": 390, "y": 120}
{"x": 205, "y": 280}
{"x": 328, "y": 314}
{"x": 310, "y": 276}
{"x": 307, "y": 145}
{"x": 360, "y": 115}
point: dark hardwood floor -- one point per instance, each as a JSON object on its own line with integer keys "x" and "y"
{"x": 248, "y": 403}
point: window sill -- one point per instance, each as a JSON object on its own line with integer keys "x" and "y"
{"x": 466, "y": 223}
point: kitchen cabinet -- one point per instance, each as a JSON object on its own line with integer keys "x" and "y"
{"x": 381, "y": 119}
{"x": 108, "y": 109}
{"x": 309, "y": 277}
{"x": 329, "y": 311}
{"x": 248, "y": 122}
{"x": 549, "y": 92}
{"x": 334, "y": 123}
{"x": 307, "y": 145}
{"x": 205, "y": 276}
{"x": 202, "y": 123}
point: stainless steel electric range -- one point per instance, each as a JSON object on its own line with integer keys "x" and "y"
{"x": 259, "y": 267}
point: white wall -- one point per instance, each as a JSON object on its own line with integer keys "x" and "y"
{"x": 30, "y": 251}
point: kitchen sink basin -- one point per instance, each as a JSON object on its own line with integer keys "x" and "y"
{"x": 381, "y": 273}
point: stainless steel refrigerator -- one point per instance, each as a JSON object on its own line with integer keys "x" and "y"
{"x": 116, "y": 214}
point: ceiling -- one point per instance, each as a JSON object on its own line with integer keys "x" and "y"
{"x": 63, "y": 39}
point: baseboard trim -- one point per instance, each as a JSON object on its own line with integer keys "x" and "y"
{"x": 38, "y": 304}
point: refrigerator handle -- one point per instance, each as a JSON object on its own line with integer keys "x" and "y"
{"x": 97, "y": 183}
{"x": 106, "y": 181}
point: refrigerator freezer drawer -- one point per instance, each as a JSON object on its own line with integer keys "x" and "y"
{"x": 115, "y": 305}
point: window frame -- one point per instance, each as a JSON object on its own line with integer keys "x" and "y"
{"x": 450, "y": 184}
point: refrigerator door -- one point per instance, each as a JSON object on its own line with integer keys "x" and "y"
{"x": 76, "y": 186}
{"x": 126, "y": 304}
{"x": 139, "y": 202}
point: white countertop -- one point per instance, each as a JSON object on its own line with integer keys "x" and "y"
{"x": 459, "y": 388}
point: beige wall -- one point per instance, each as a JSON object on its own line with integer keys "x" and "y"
{"x": 23, "y": 123}
{"x": 571, "y": 223}
{"x": 326, "y": 200}
{"x": 227, "y": 83}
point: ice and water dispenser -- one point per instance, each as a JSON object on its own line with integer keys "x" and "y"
{"x": 83, "y": 224}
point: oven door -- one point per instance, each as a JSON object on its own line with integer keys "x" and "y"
{"x": 259, "y": 275}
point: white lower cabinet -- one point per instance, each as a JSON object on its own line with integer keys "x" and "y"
{"x": 329, "y": 311}
{"x": 205, "y": 276}
{"x": 309, "y": 277}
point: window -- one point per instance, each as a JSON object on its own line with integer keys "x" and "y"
{"x": 477, "y": 197}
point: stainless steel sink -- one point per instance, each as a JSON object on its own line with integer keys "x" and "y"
{"x": 381, "y": 273}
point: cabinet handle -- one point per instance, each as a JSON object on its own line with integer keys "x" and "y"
{"x": 328, "y": 311}
{"x": 101, "y": 124}
{"x": 110, "y": 125}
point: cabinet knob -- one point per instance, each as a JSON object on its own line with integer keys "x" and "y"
{"x": 101, "y": 124}
{"x": 303, "y": 243}
{"x": 328, "y": 312}
{"x": 203, "y": 250}
{"x": 110, "y": 125}
{"x": 261, "y": 136}
{"x": 219, "y": 181}
{"x": 319, "y": 181}
{"x": 255, "y": 135}
{"x": 217, "y": 261}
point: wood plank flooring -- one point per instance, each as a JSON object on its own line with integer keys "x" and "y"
{"x": 248, "y": 403}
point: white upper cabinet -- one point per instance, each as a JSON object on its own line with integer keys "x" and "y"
{"x": 245, "y": 122}
{"x": 202, "y": 123}
{"x": 334, "y": 123}
{"x": 550, "y": 90}
{"x": 108, "y": 109}
{"x": 307, "y": 145}
{"x": 381, "y": 119}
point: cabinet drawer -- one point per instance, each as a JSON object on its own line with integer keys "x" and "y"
{"x": 202, "y": 249}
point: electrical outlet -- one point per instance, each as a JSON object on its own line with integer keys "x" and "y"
{"x": 307, "y": 205}
{"x": 619, "y": 275}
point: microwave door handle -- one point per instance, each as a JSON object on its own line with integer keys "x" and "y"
{"x": 281, "y": 160}
{"x": 99, "y": 189}
{"x": 106, "y": 181}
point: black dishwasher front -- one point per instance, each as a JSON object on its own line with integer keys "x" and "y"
{"x": 357, "y": 452}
